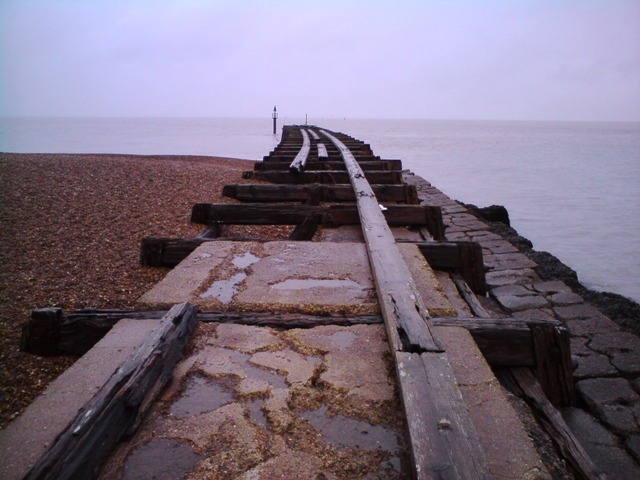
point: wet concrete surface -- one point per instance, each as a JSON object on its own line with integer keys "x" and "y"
{"x": 255, "y": 402}
{"x": 160, "y": 460}
{"x": 304, "y": 277}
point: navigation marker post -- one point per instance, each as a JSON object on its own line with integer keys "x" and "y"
{"x": 274, "y": 115}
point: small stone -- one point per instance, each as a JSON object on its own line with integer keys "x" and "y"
{"x": 253, "y": 386}
{"x": 633, "y": 444}
{"x": 566, "y": 298}
{"x": 600, "y": 391}
{"x": 628, "y": 363}
{"x": 594, "y": 365}
{"x": 498, "y": 246}
{"x": 244, "y": 338}
{"x": 298, "y": 368}
{"x": 509, "y": 261}
{"x": 619, "y": 418}
{"x": 601, "y": 445}
{"x": 589, "y": 326}
{"x": 535, "y": 314}
{"x": 511, "y": 277}
{"x": 615, "y": 342}
{"x": 552, "y": 286}
{"x": 510, "y": 290}
{"x": 525, "y": 302}
{"x": 579, "y": 346}
{"x": 581, "y": 310}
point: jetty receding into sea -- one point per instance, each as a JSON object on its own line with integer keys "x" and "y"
{"x": 392, "y": 335}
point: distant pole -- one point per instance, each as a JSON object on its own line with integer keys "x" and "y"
{"x": 274, "y": 115}
{"x": 305, "y": 119}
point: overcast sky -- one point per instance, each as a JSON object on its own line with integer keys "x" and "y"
{"x": 510, "y": 59}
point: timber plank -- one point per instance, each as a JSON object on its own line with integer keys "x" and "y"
{"x": 553, "y": 363}
{"x": 405, "y": 316}
{"x": 308, "y": 228}
{"x": 333, "y": 215}
{"x": 322, "y": 192}
{"x": 463, "y": 256}
{"x": 504, "y": 342}
{"x": 325, "y": 176}
{"x": 526, "y": 385}
{"x": 321, "y": 149}
{"x": 444, "y": 442}
{"x": 283, "y": 166}
{"x": 298, "y": 163}
{"x": 78, "y": 452}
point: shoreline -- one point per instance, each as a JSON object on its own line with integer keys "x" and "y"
{"x": 623, "y": 310}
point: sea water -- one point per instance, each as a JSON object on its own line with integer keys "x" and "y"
{"x": 573, "y": 189}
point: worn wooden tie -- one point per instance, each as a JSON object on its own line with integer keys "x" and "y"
{"x": 298, "y": 164}
{"x": 444, "y": 443}
{"x": 117, "y": 408}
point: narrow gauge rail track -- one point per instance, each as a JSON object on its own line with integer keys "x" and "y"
{"x": 309, "y": 167}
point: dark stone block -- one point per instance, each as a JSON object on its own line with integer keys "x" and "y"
{"x": 601, "y": 391}
{"x": 590, "y": 326}
{"x": 594, "y": 365}
{"x": 602, "y": 446}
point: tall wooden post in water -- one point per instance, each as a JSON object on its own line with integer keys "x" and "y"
{"x": 274, "y": 115}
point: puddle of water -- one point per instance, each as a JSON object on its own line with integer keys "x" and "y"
{"x": 255, "y": 412}
{"x": 244, "y": 260}
{"x": 201, "y": 395}
{"x": 348, "y": 432}
{"x": 224, "y": 290}
{"x": 161, "y": 459}
{"x": 343, "y": 338}
{"x": 257, "y": 373}
{"x": 241, "y": 366}
{"x": 307, "y": 283}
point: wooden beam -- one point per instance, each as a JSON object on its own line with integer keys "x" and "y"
{"x": 465, "y": 257}
{"x": 283, "y": 166}
{"x": 169, "y": 252}
{"x": 291, "y": 148}
{"x": 504, "y": 342}
{"x": 117, "y": 408}
{"x": 522, "y": 383}
{"x": 298, "y": 164}
{"x": 333, "y": 215}
{"x": 308, "y": 228}
{"x": 321, "y": 150}
{"x": 444, "y": 443}
{"x": 324, "y": 193}
{"x": 405, "y": 315}
{"x": 554, "y": 368}
{"x": 323, "y": 176}
{"x": 41, "y": 333}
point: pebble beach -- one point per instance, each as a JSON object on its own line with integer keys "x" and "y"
{"x": 70, "y": 238}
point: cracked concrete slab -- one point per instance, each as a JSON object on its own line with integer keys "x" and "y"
{"x": 304, "y": 277}
{"x": 289, "y": 422}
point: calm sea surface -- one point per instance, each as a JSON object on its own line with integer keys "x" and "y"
{"x": 573, "y": 189}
